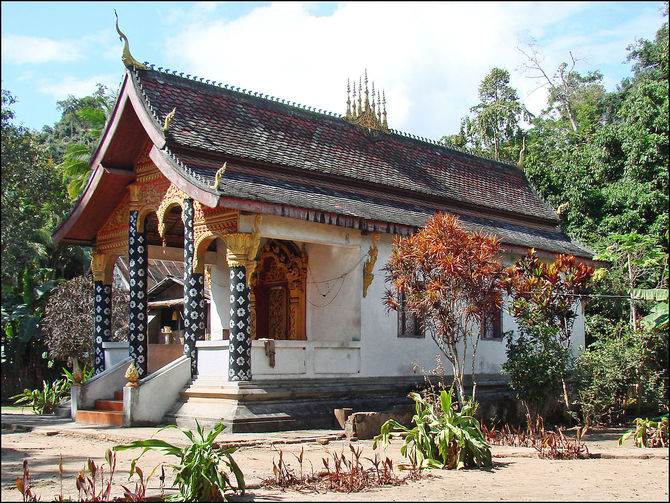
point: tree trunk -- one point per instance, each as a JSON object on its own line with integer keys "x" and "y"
{"x": 633, "y": 313}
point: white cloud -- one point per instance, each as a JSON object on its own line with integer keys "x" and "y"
{"x": 25, "y": 49}
{"x": 428, "y": 57}
{"x": 69, "y": 85}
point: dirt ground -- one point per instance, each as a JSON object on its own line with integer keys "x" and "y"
{"x": 517, "y": 474}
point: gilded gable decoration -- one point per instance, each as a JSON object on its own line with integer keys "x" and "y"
{"x": 365, "y": 112}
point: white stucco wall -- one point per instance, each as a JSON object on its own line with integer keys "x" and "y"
{"x": 337, "y": 312}
{"x": 219, "y": 306}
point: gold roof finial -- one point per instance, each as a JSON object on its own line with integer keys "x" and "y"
{"x": 371, "y": 114}
{"x": 367, "y": 101}
{"x": 373, "y": 97}
{"x": 127, "y": 58}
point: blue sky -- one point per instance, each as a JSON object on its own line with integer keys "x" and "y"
{"x": 428, "y": 57}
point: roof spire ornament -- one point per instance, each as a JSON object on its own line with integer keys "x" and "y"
{"x": 127, "y": 58}
{"x": 371, "y": 113}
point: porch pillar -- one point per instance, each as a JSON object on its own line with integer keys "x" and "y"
{"x": 194, "y": 292}
{"x": 102, "y": 266}
{"x": 241, "y": 251}
{"x": 137, "y": 268}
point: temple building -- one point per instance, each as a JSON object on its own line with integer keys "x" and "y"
{"x": 286, "y": 215}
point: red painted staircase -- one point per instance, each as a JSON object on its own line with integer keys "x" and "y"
{"x": 107, "y": 412}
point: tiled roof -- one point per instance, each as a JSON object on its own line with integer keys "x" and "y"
{"x": 283, "y": 154}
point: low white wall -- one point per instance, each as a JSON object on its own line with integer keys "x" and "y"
{"x": 293, "y": 359}
{"x": 99, "y": 387}
{"x": 156, "y": 393}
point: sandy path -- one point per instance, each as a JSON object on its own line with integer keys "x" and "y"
{"x": 515, "y": 475}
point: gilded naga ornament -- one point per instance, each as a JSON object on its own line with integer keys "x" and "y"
{"x": 127, "y": 58}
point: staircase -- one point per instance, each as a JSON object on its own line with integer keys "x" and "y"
{"x": 106, "y": 412}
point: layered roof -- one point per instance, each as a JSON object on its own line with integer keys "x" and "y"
{"x": 293, "y": 161}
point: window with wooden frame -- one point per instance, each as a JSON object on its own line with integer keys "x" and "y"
{"x": 408, "y": 324}
{"x": 492, "y": 329}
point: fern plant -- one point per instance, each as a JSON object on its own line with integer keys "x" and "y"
{"x": 442, "y": 437}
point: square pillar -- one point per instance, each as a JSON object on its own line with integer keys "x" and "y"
{"x": 102, "y": 266}
{"x": 137, "y": 323}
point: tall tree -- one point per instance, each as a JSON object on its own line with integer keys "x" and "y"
{"x": 494, "y": 128}
{"x": 75, "y": 136}
{"x": 33, "y": 198}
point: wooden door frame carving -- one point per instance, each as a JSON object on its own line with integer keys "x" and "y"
{"x": 290, "y": 265}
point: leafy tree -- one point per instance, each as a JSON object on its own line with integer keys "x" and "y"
{"x": 449, "y": 278}
{"x": 68, "y": 320}
{"x": 543, "y": 303}
{"x": 32, "y": 201}
{"x": 73, "y": 139}
{"x": 571, "y": 95}
{"x": 622, "y": 370}
{"x": 637, "y": 261}
{"x": 494, "y": 127}
{"x": 612, "y": 176}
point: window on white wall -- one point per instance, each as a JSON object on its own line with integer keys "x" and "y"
{"x": 492, "y": 329}
{"x": 408, "y": 324}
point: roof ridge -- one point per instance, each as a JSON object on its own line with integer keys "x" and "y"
{"x": 299, "y": 106}
{"x": 238, "y": 89}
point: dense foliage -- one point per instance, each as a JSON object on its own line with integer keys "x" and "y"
{"x": 544, "y": 299}
{"x": 68, "y": 320}
{"x": 449, "y": 278}
{"x": 34, "y": 201}
{"x": 601, "y": 159}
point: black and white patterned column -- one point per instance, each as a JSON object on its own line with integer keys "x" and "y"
{"x": 194, "y": 295}
{"x": 102, "y": 324}
{"x": 137, "y": 324}
{"x": 239, "y": 363}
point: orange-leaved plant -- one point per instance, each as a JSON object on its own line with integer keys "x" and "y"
{"x": 449, "y": 278}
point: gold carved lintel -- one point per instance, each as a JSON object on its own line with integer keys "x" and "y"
{"x": 370, "y": 264}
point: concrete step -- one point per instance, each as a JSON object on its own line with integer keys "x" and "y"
{"x": 106, "y": 417}
{"x": 118, "y": 395}
{"x": 113, "y": 405}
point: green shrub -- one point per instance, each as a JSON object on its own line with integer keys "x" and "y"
{"x": 202, "y": 473}
{"x": 45, "y": 400}
{"x": 648, "y": 433}
{"x": 442, "y": 437}
{"x": 620, "y": 372}
{"x": 537, "y": 365}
